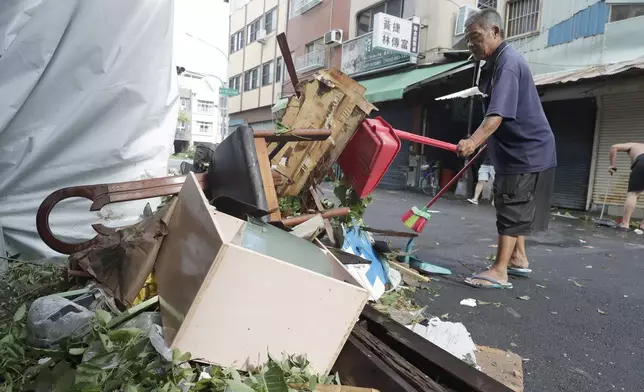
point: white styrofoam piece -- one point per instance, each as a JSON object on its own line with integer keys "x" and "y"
{"x": 451, "y": 337}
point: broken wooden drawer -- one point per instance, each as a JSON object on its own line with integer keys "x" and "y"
{"x": 232, "y": 291}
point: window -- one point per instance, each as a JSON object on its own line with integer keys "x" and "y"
{"x": 298, "y": 7}
{"x": 318, "y": 44}
{"x": 204, "y": 127}
{"x": 523, "y": 17}
{"x": 365, "y": 18}
{"x": 253, "y": 28}
{"x": 251, "y": 79}
{"x": 278, "y": 69}
{"x": 625, "y": 11}
{"x": 237, "y": 41}
{"x": 267, "y": 73}
{"x": 487, "y": 4}
{"x": 181, "y": 127}
{"x": 270, "y": 21}
{"x": 185, "y": 104}
{"x": 234, "y": 82}
{"x": 205, "y": 106}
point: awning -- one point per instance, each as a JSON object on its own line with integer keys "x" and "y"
{"x": 565, "y": 76}
{"x": 392, "y": 87}
{"x": 588, "y": 72}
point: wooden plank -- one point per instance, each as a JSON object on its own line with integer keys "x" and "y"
{"x": 426, "y": 356}
{"x": 359, "y": 366}
{"x": 320, "y": 207}
{"x": 400, "y": 365}
{"x": 267, "y": 179}
{"x": 403, "y": 269}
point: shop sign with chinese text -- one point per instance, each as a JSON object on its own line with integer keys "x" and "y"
{"x": 395, "y": 34}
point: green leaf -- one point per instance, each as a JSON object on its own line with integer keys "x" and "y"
{"x": 178, "y": 358}
{"x": 64, "y": 377}
{"x": 238, "y": 386}
{"x": 102, "y": 317}
{"x": 132, "y": 388}
{"x": 107, "y": 343}
{"x": 273, "y": 380}
{"x": 313, "y": 382}
{"x": 20, "y": 313}
{"x": 77, "y": 351}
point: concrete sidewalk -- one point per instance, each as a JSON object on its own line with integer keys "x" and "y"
{"x": 580, "y": 272}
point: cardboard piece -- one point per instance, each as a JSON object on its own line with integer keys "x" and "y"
{"x": 229, "y": 305}
{"x": 123, "y": 261}
{"x": 504, "y": 366}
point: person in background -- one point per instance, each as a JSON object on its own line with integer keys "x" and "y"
{"x": 521, "y": 145}
{"x": 486, "y": 173}
{"x": 635, "y": 152}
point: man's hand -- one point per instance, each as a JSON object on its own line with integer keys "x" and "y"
{"x": 612, "y": 170}
{"x": 465, "y": 148}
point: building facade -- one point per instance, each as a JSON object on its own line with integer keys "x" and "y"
{"x": 200, "y": 40}
{"x": 587, "y": 58}
{"x": 255, "y": 66}
{"x": 200, "y": 117}
{"x": 315, "y": 31}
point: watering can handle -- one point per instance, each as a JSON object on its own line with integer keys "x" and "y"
{"x": 425, "y": 140}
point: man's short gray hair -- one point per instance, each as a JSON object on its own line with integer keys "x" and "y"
{"x": 486, "y": 18}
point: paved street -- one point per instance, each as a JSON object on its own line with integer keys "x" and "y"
{"x": 581, "y": 270}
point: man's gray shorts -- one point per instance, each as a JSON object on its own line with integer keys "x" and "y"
{"x": 523, "y": 201}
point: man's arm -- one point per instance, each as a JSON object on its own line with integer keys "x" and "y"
{"x": 624, "y": 147}
{"x": 489, "y": 125}
{"x": 504, "y": 102}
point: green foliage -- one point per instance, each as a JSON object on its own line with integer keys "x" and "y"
{"x": 125, "y": 360}
{"x": 24, "y": 282}
{"x": 183, "y": 117}
{"x": 348, "y": 197}
{"x": 290, "y": 205}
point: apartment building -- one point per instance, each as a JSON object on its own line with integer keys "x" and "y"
{"x": 200, "y": 117}
{"x": 315, "y": 31}
{"x": 255, "y": 66}
{"x": 200, "y": 51}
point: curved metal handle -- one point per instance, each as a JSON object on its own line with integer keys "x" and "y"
{"x": 46, "y": 207}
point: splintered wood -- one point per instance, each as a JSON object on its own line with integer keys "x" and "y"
{"x": 332, "y": 100}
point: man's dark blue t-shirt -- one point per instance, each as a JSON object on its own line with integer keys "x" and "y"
{"x": 524, "y": 142}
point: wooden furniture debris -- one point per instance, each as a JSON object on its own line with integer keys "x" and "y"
{"x": 223, "y": 281}
{"x": 104, "y": 194}
{"x": 331, "y": 100}
{"x": 441, "y": 366}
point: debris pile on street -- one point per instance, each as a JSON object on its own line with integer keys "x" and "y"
{"x": 244, "y": 279}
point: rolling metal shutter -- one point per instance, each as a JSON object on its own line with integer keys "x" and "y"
{"x": 573, "y": 124}
{"x": 622, "y": 121}
{"x": 399, "y": 116}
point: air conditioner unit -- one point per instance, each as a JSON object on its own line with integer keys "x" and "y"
{"x": 333, "y": 37}
{"x": 463, "y": 13}
{"x": 261, "y": 36}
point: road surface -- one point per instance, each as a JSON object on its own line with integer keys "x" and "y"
{"x": 581, "y": 329}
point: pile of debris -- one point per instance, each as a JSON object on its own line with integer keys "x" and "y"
{"x": 219, "y": 291}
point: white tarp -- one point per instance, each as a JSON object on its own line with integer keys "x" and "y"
{"x": 87, "y": 96}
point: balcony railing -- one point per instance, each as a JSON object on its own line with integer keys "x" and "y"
{"x": 310, "y": 61}
{"x": 298, "y": 7}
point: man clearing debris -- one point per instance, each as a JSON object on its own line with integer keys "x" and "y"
{"x": 635, "y": 181}
{"x": 521, "y": 144}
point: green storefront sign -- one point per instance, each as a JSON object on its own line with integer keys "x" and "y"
{"x": 359, "y": 57}
{"x": 228, "y": 92}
